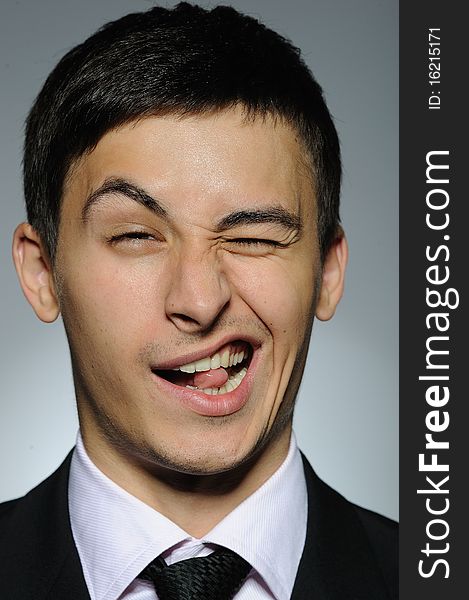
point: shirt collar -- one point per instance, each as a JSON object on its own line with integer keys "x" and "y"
{"x": 268, "y": 529}
{"x": 117, "y": 534}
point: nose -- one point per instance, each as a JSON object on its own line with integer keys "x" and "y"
{"x": 198, "y": 293}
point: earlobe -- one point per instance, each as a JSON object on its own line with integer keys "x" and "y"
{"x": 35, "y": 273}
{"x": 333, "y": 277}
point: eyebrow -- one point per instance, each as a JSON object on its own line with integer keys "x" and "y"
{"x": 271, "y": 214}
{"x": 120, "y": 186}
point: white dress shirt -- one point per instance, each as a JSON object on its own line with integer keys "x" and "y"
{"x": 117, "y": 535}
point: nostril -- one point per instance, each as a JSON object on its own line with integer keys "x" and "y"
{"x": 184, "y": 318}
{"x": 195, "y": 316}
{"x": 191, "y": 325}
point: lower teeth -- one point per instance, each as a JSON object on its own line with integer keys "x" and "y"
{"x": 232, "y": 383}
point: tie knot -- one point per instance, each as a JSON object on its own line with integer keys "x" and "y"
{"x": 217, "y": 576}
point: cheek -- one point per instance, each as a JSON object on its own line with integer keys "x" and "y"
{"x": 280, "y": 292}
{"x": 113, "y": 304}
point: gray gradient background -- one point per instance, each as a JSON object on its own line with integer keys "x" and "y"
{"x": 346, "y": 419}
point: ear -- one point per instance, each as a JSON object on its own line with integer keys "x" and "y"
{"x": 333, "y": 276}
{"x": 34, "y": 272}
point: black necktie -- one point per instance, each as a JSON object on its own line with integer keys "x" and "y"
{"x": 215, "y": 577}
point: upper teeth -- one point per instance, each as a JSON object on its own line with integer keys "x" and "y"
{"x": 228, "y": 358}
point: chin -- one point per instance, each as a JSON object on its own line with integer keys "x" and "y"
{"x": 203, "y": 459}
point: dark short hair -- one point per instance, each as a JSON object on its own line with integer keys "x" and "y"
{"x": 185, "y": 60}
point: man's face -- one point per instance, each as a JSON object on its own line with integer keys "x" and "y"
{"x": 189, "y": 244}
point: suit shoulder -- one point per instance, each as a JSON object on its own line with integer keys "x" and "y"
{"x": 383, "y": 535}
{"x": 6, "y": 506}
{"x": 381, "y": 530}
{"x": 366, "y": 541}
{"x": 27, "y": 509}
{"x": 6, "y": 509}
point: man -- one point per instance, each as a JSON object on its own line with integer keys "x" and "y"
{"x": 182, "y": 178}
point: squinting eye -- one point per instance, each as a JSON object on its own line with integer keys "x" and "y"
{"x": 131, "y": 235}
{"x": 252, "y": 246}
{"x": 256, "y": 242}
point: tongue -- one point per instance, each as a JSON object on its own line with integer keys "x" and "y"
{"x": 211, "y": 379}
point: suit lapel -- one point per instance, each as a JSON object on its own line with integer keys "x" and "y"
{"x": 337, "y": 561}
{"x": 39, "y": 559}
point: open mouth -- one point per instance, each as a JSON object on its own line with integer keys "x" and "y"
{"x": 218, "y": 373}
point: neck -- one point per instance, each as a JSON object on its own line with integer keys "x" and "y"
{"x": 180, "y": 496}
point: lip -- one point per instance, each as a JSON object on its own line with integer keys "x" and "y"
{"x": 220, "y": 405}
{"x": 208, "y": 351}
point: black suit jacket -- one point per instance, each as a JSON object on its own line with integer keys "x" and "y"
{"x": 350, "y": 553}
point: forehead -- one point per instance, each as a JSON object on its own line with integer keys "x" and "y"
{"x": 209, "y": 161}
